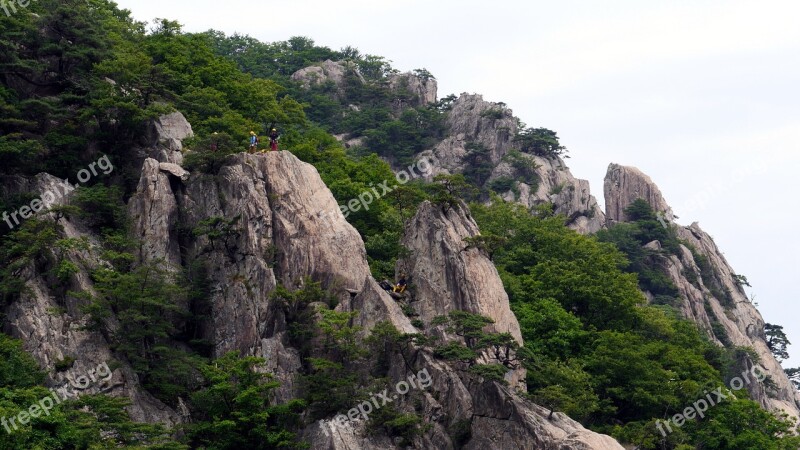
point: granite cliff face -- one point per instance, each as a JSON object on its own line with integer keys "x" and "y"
{"x": 473, "y": 124}
{"x": 51, "y": 323}
{"x": 710, "y": 296}
{"x": 283, "y": 226}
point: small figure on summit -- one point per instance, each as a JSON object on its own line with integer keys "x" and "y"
{"x": 214, "y": 142}
{"x": 253, "y": 142}
{"x": 273, "y": 139}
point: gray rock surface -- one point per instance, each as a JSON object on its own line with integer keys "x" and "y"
{"x": 623, "y": 185}
{"x": 323, "y": 72}
{"x": 290, "y": 227}
{"x": 554, "y": 183}
{"x": 154, "y": 211}
{"x": 446, "y": 275}
{"x": 51, "y": 323}
{"x": 281, "y": 224}
{"x": 422, "y": 89}
{"x": 164, "y": 138}
{"x": 473, "y": 120}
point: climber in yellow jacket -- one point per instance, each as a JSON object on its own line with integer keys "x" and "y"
{"x": 400, "y": 287}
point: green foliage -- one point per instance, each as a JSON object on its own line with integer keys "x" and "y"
{"x": 794, "y": 376}
{"x": 64, "y": 364}
{"x": 488, "y": 244}
{"x": 630, "y": 238}
{"x": 88, "y": 422}
{"x": 563, "y": 386}
{"x": 414, "y": 131}
{"x": 145, "y": 304}
{"x": 29, "y": 246}
{"x": 469, "y": 326}
{"x": 540, "y": 142}
{"x": 219, "y": 229}
{"x": 478, "y": 164}
{"x": 101, "y": 207}
{"x": 328, "y": 388}
{"x": 525, "y": 165}
{"x": 395, "y": 423}
{"x": 742, "y": 424}
{"x": 504, "y": 184}
{"x": 234, "y": 409}
{"x": 741, "y": 280}
{"x": 453, "y": 351}
{"x": 593, "y": 348}
{"x": 449, "y": 190}
{"x": 777, "y": 341}
{"x": 490, "y": 372}
{"x": 209, "y": 153}
{"x": 300, "y": 317}
{"x": 339, "y": 335}
{"x": 493, "y": 114}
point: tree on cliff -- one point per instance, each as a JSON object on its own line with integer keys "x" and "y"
{"x": 777, "y": 341}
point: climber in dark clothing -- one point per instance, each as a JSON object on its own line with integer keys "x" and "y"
{"x": 273, "y": 139}
{"x": 400, "y": 287}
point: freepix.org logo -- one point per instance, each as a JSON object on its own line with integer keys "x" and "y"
{"x": 14, "y": 218}
{"x": 10, "y": 6}
{"x": 100, "y": 374}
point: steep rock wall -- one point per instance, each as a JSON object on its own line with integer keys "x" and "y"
{"x": 288, "y": 227}
{"x": 52, "y": 325}
{"x": 536, "y": 180}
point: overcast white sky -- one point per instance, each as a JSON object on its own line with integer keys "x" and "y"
{"x": 694, "y": 93}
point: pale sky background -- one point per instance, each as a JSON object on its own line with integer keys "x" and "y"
{"x": 694, "y": 93}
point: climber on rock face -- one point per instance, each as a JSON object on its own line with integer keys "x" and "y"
{"x": 273, "y": 139}
{"x": 253, "y": 142}
{"x": 400, "y": 287}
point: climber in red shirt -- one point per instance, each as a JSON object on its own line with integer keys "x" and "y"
{"x": 273, "y": 139}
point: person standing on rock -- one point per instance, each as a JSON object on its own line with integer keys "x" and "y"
{"x": 253, "y": 142}
{"x": 214, "y": 142}
{"x": 273, "y": 140}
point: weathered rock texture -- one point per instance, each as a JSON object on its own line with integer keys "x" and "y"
{"x": 287, "y": 227}
{"x": 163, "y": 139}
{"x": 713, "y": 297}
{"x": 52, "y": 326}
{"x": 423, "y": 90}
{"x": 276, "y": 222}
{"x": 327, "y": 71}
{"x": 623, "y": 185}
{"x": 447, "y": 275}
{"x": 536, "y": 180}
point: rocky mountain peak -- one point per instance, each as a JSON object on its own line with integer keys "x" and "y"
{"x": 623, "y": 185}
{"x": 709, "y": 291}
